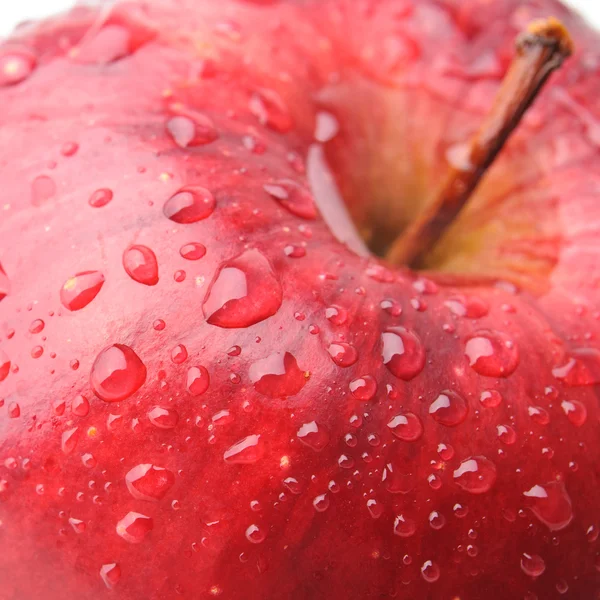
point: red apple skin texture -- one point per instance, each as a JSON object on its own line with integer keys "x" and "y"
{"x": 291, "y": 516}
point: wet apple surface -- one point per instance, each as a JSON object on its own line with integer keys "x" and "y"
{"x": 206, "y": 394}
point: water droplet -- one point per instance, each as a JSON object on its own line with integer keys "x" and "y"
{"x": 277, "y": 376}
{"x": 190, "y": 205}
{"x": 247, "y": 451}
{"x": 576, "y": 412}
{"x": 551, "y": 504}
{"x": 43, "y": 188}
{"x": 80, "y": 406}
{"x": 134, "y": 527}
{"x": 475, "y": 475}
{"x": 192, "y": 251}
{"x": 391, "y": 307}
{"x": 532, "y": 564}
{"x": 270, "y": 110}
{"x": 449, "y": 409}
{"x": 345, "y": 462}
{"x": 321, "y": 503}
{"x": 163, "y": 418}
{"x": 363, "y": 388}
{"x": 404, "y": 526}
{"x": 198, "y": 380}
{"x": 4, "y": 289}
{"x": 110, "y": 574}
{"x": 117, "y": 373}
{"x": 4, "y": 365}
{"x": 446, "y": 451}
{"x": 244, "y": 291}
{"x": 471, "y": 307}
{"x": 16, "y": 66}
{"x": 141, "y": 265}
{"x": 313, "y": 435}
{"x": 436, "y": 520}
{"x": 292, "y": 485}
{"x": 69, "y": 148}
{"x": 506, "y": 434}
{"x": 403, "y": 353}
{"x": 149, "y": 482}
{"x": 100, "y": 198}
{"x": 336, "y": 315}
{"x": 460, "y": 511}
{"x": 78, "y": 291}
{"x": 562, "y": 587}
{"x": 581, "y": 368}
{"x": 492, "y": 354}
{"x": 14, "y": 410}
{"x": 88, "y": 460}
{"x": 69, "y": 440}
{"x": 294, "y": 251}
{"x": 192, "y": 129}
{"x": 179, "y": 354}
{"x": 343, "y": 354}
{"x": 36, "y": 326}
{"x": 407, "y": 427}
{"x": 430, "y": 571}
{"x": 292, "y": 196}
{"x": 490, "y": 398}
{"x": 255, "y": 534}
{"x": 375, "y": 508}
{"x": 539, "y": 415}
{"x": 37, "y": 351}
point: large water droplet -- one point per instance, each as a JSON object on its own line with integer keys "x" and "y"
{"x": 198, "y": 380}
{"x": 163, "y": 418}
{"x": 78, "y": 291}
{"x": 551, "y": 504}
{"x": 270, "y": 110}
{"x": 475, "y": 475}
{"x": 16, "y": 66}
{"x": 492, "y": 353}
{"x": 149, "y": 482}
{"x": 449, "y": 409}
{"x": 532, "y": 564}
{"x": 581, "y": 368}
{"x": 404, "y": 526}
{"x": 141, "y": 265}
{"x": 403, "y": 353}
{"x": 190, "y": 205}
{"x": 244, "y": 291}
{"x": 293, "y": 197}
{"x": 343, "y": 354}
{"x": 277, "y": 376}
{"x": 245, "y": 452}
{"x": 313, "y": 435}
{"x": 117, "y": 373}
{"x": 407, "y": 427}
{"x": 134, "y": 527}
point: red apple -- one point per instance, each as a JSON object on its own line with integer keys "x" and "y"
{"x": 205, "y": 393}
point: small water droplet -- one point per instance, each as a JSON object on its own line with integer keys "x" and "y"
{"x": 80, "y": 406}
{"x": 69, "y": 148}
{"x": 190, "y": 205}
{"x": 292, "y": 485}
{"x": 506, "y": 434}
{"x": 16, "y": 66}
{"x": 69, "y": 440}
{"x": 406, "y": 427}
{"x": 436, "y": 520}
{"x": 375, "y": 508}
{"x": 163, "y": 418}
{"x": 321, "y": 503}
{"x": 313, "y": 435}
{"x": 36, "y": 326}
{"x": 449, "y": 409}
{"x": 255, "y": 535}
{"x": 576, "y": 412}
{"x": 551, "y": 504}
{"x": 538, "y": 415}
{"x": 149, "y": 482}
{"x": 141, "y": 265}
{"x": 336, "y": 314}
{"x": 403, "y": 353}
{"x": 446, "y": 451}
{"x": 192, "y": 251}
{"x": 88, "y": 460}
{"x": 404, "y": 526}
{"x": 582, "y": 368}
{"x": 532, "y": 564}
{"x": 343, "y": 354}
{"x": 471, "y": 307}
{"x": 277, "y": 376}
{"x": 293, "y": 197}
{"x": 4, "y": 365}
{"x": 475, "y": 475}
{"x": 492, "y": 354}
{"x": 430, "y": 571}
{"x": 100, "y": 198}
{"x": 14, "y": 410}
{"x": 270, "y": 110}
{"x": 192, "y": 129}
{"x": 244, "y": 291}
{"x": 110, "y": 574}
{"x": 391, "y": 307}
{"x": 78, "y": 291}
{"x": 363, "y": 388}
{"x": 198, "y": 380}
{"x": 247, "y": 451}
{"x": 179, "y": 354}
{"x": 294, "y": 251}
{"x": 117, "y": 373}
{"x": 490, "y": 398}
{"x": 134, "y": 527}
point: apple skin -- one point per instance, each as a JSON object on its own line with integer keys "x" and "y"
{"x": 245, "y": 424}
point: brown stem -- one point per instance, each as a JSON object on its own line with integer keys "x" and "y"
{"x": 541, "y": 49}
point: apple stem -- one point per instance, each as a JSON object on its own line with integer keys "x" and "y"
{"x": 541, "y": 50}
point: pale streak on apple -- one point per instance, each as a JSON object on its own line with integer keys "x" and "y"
{"x": 541, "y": 50}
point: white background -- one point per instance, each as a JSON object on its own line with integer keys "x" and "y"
{"x": 11, "y": 11}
